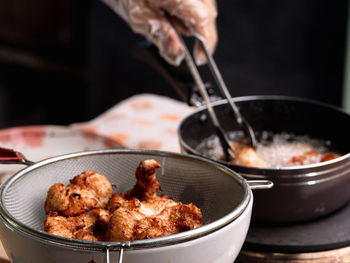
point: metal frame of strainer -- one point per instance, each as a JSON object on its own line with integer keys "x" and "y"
{"x": 121, "y": 246}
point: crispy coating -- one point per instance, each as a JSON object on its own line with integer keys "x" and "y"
{"x": 156, "y": 218}
{"x": 86, "y": 191}
{"x": 59, "y": 225}
{"x": 89, "y": 226}
{"x": 172, "y": 219}
{"x": 98, "y": 183}
{"x": 141, "y": 214}
{"x": 128, "y": 213}
{"x": 147, "y": 184}
{"x": 136, "y": 214}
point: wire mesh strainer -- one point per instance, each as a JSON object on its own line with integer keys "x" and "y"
{"x": 220, "y": 194}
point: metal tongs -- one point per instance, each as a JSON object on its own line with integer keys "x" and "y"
{"x": 224, "y": 141}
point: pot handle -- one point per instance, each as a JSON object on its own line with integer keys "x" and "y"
{"x": 260, "y": 184}
{"x": 9, "y": 156}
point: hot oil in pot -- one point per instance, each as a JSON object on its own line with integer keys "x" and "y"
{"x": 274, "y": 150}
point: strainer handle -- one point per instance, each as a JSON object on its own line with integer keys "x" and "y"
{"x": 9, "y": 156}
{"x": 121, "y": 253}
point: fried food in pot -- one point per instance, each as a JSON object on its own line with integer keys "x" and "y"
{"x": 248, "y": 156}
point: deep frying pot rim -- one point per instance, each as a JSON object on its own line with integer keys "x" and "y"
{"x": 310, "y": 170}
{"x": 138, "y": 244}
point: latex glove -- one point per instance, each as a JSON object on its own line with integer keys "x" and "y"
{"x": 190, "y": 17}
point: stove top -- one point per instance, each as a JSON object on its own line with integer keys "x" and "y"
{"x": 323, "y": 240}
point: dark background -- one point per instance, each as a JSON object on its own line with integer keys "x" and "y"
{"x": 64, "y": 61}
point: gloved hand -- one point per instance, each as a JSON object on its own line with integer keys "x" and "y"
{"x": 190, "y": 17}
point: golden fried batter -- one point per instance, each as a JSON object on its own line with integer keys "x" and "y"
{"x": 86, "y": 191}
{"x": 144, "y": 222}
{"x": 89, "y": 226}
{"x": 130, "y": 213}
{"x": 172, "y": 219}
{"x": 136, "y": 214}
{"x": 147, "y": 184}
{"x": 141, "y": 214}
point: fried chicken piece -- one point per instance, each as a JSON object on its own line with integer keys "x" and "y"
{"x": 122, "y": 224}
{"x": 59, "y": 225}
{"x": 126, "y": 214}
{"x": 85, "y": 192}
{"x": 173, "y": 219}
{"x": 304, "y": 158}
{"x": 89, "y": 226}
{"x": 140, "y": 213}
{"x": 329, "y": 156}
{"x": 247, "y": 155}
{"x": 137, "y": 214}
{"x": 149, "y": 206}
{"x": 97, "y": 182}
{"x": 147, "y": 184}
{"x": 154, "y": 218}
{"x": 116, "y": 201}
{"x": 310, "y": 157}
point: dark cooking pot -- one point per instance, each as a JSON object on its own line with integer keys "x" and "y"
{"x": 299, "y": 192}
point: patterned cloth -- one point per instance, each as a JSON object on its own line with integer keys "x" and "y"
{"x": 144, "y": 121}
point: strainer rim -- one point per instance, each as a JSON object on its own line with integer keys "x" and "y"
{"x": 146, "y": 243}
